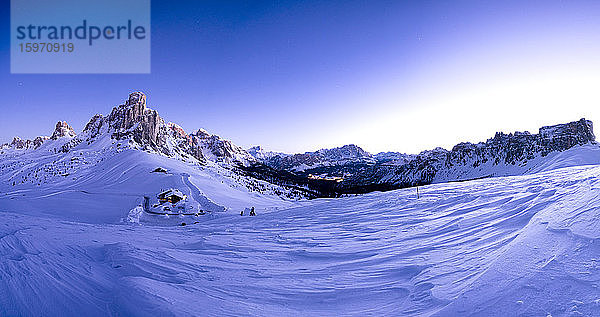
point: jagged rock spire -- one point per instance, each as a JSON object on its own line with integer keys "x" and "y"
{"x": 138, "y": 101}
{"x": 61, "y": 130}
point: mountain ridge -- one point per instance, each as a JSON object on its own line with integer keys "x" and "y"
{"x": 502, "y": 155}
{"x": 146, "y": 130}
{"x": 136, "y": 126}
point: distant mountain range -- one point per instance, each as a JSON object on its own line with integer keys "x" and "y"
{"x": 503, "y": 155}
{"x": 345, "y": 169}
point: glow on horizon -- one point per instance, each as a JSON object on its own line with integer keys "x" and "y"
{"x": 476, "y": 112}
{"x": 516, "y": 72}
{"x": 300, "y": 76}
{"x": 514, "y": 80}
{"x": 471, "y": 109}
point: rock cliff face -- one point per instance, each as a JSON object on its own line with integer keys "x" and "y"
{"x": 134, "y": 121}
{"x": 62, "y": 130}
{"x": 185, "y": 142}
{"x": 261, "y": 155}
{"x": 21, "y": 144}
{"x": 219, "y": 150}
{"x": 504, "y": 154}
{"x": 467, "y": 160}
{"x": 143, "y": 125}
{"x": 94, "y": 126}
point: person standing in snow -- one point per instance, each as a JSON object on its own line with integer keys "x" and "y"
{"x": 252, "y": 213}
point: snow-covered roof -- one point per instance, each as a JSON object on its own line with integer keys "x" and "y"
{"x": 172, "y": 192}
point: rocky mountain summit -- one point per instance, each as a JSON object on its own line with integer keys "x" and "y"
{"x": 134, "y": 120}
{"x": 21, "y": 144}
{"x": 504, "y": 154}
{"x": 260, "y": 154}
{"x": 218, "y": 149}
{"x": 62, "y": 130}
{"x": 145, "y": 129}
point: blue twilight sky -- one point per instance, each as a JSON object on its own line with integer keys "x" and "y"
{"x": 296, "y": 76}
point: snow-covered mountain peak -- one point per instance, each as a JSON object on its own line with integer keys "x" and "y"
{"x": 143, "y": 128}
{"x": 259, "y": 153}
{"x": 220, "y": 150}
{"x": 137, "y": 100}
{"x": 395, "y": 158}
{"x": 177, "y": 131}
{"x": 346, "y": 152}
{"x": 202, "y": 133}
{"x": 24, "y": 144}
{"x": 62, "y": 130}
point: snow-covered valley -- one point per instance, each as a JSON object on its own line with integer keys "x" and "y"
{"x": 522, "y": 245}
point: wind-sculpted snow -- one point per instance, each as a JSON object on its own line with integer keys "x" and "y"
{"x": 507, "y": 246}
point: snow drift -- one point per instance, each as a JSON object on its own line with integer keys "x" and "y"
{"x": 522, "y": 245}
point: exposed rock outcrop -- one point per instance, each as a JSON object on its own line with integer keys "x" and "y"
{"x": 62, "y": 130}
{"x": 38, "y": 141}
{"x": 219, "y": 150}
{"x": 134, "y": 121}
{"x": 143, "y": 125}
{"x": 504, "y": 154}
{"x": 466, "y": 160}
{"x": 262, "y": 155}
{"x": 18, "y": 143}
{"x": 185, "y": 142}
{"x": 94, "y": 126}
{"x": 21, "y": 144}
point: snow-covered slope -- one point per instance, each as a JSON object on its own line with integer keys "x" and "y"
{"x": 508, "y": 246}
{"x": 100, "y": 181}
{"x": 588, "y": 154}
{"x": 106, "y": 170}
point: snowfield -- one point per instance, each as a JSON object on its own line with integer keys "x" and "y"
{"x": 507, "y": 246}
